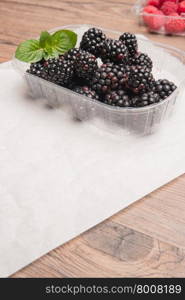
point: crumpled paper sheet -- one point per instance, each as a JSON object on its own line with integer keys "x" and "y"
{"x": 59, "y": 177}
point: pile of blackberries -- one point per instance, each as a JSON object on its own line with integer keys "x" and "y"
{"x": 124, "y": 78}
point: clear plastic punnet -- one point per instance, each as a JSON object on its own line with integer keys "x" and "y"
{"x": 168, "y": 63}
{"x": 162, "y": 21}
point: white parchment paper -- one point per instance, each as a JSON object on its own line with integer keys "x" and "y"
{"x": 59, "y": 177}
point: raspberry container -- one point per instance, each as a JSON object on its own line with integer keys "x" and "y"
{"x": 156, "y": 23}
{"x": 168, "y": 63}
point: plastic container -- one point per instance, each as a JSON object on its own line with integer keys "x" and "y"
{"x": 145, "y": 120}
{"x": 143, "y": 17}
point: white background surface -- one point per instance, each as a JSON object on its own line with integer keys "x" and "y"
{"x": 58, "y": 177}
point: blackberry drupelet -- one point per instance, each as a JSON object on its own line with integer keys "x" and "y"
{"x": 114, "y": 51}
{"x": 145, "y": 99}
{"x": 141, "y": 59}
{"x": 56, "y": 70}
{"x": 86, "y": 91}
{"x": 117, "y": 98}
{"x": 85, "y": 65}
{"x": 140, "y": 80}
{"x": 164, "y": 88}
{"x": 108, "y": 77}
{"x": 38, "y": 69}
{"x": 130, "y": 41}
{"x": 72, "y": 54}
{"x": 93, "y": 40}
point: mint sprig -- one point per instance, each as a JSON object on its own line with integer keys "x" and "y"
{"x": 48, "y": 46}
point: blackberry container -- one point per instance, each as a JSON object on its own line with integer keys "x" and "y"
{"x": 168, "y": 63}
{"x": 138, "y": 10}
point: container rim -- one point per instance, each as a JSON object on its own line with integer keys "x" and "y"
{"x": 109, "y": 107}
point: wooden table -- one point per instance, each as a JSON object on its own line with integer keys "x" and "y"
{"x": 148, "y": 238}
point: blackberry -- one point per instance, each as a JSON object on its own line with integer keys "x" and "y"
{"x": 77, "y": 82}
{"x": 71, "y": 54}
{"x": 145, "y": 99}
{"x": 56, "y": 70}
{"x": 108, "y": 77}
{"x": 93, "y": 40}
{"x": 164, "y": 88}
{"x": 85, "y": 65}
{"x": 130, "y": 41}
{"x": 139, "y": 79}
{"x": 114, "y": 51}
{"x": 117, "y": 98}
{"x": 86, "y": 91}
{"x": 38, "y": 69}
{"x": 141, "y": 59}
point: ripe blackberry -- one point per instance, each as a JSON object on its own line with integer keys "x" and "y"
{"x": 139, "y": 80}
{"x": 130, "y": 41}
{"x": 114, "y": 51}
{"x": 85, "y": 65}
{"x": 71, "y": 54}
{"x": 93, "y": 40}
{"x": 117, "y": 98}
{"x": 164, "y": 88}
{"x": 86, "y": 91}
{"x": 108, "y": 77}
{"x": 56, "y": 70}
{"x": 141, "y": 59}
{"x": 145, "y": 99}
{"x": 38, "y": 69}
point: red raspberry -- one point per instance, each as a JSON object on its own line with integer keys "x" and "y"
{"x": 174, "y": 24}
{"x": 169, "y": 7}
{"x": 162, "y": 1}
{"x": 150, "y": 9}
{"x": 181, "y": 8}
{"x": 154, "y": 3}
{"x": 155, "y": 22}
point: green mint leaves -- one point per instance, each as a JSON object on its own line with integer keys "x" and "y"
{"x": 48, "y": 46}
{"x": 29, "y": 51}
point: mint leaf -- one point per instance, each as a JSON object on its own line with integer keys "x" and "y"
{"x": 50, "y": 54}
{"x": 29, "y": 51}
{"x": 45, "y": 39}
{"x": 64, "y": 40}
{"x": 48, "y": 46}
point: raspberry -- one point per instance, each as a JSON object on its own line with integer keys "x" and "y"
{"x": 174, "y": 24}
{"x": 169, "y": 7}
{"x": 147, "y": 10}
{"x": 150, "y": 9}
{"x": 163, "y": 1}
{"x": 154, "y": 3}
{"x": 155, "y": 22}
{"x": 181, "y": 8}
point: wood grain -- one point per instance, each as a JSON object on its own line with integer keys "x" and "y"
{"x": 110, "y": 250}
{"x": 147, "y": 238}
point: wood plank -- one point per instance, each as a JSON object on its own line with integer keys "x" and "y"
{"x": 110, "y": 250}
{"x": 147, "y": 238}
{"x": 24, "y": 19}
{"x": 160, "y": 214}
